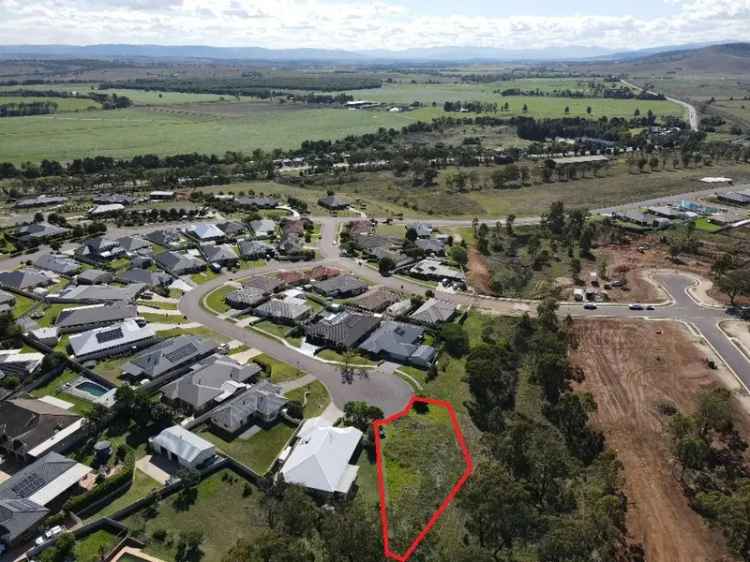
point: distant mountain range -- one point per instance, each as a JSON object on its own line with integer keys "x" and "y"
{"x": 430, "y": 54}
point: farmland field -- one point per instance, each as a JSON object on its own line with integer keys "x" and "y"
{"x": 129, "y": 132}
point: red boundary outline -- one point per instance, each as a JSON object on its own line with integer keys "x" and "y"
{"x": 376, "y": 425}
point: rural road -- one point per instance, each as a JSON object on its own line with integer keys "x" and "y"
{"x": 692, "y": 112}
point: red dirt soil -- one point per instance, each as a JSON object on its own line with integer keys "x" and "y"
{"x": 478, "y": 272}
{"x": 630, "y": 369}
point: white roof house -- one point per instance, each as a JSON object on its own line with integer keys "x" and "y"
{"x": 320, "y": 458}
{"x": 106, "y": 209}
{"x": 99, "y": 342}
{"x": 207, "y": 232}
{"x": 182, "y": 446}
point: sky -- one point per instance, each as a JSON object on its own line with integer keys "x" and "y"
{"x": 377, "y": 24}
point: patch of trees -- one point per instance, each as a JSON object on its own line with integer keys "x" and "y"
{"x": 470, "y": 106}
{"x": 571, "y": 127}
{"x": 22, "y": 109}
{"x": 731, "y": 272}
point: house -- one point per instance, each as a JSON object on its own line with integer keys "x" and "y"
{"x": 322, "y": 272}
{"x": 361, "y": 226}
{"x": 436, "y": 270}
{"x": 33, "y": 493}
{"x": 422, "y": 229}
{"x": 144, "y": 261}
{"x": 734, "y": 198}
{"x": 100, "y": 248}
{"x": 431, "y": 246}
{"x": 145, "y": 277}
{"x": 94, "y": 277}
{"x": 57, "y": 263}
{"x": 261, "y": 403}
{"x": 263, "y": 228}
{"x": 254, "y": 249}
{"x": 340, "y": 287}
{"x": 126, "y": 337}
{"x": 292, "y": 245}
{"x": 182, "y": 447}
{"x": 15, "y": 363}
{"x": 666, "y": 212}
{"x": 222, "y": 254}
{"x": 376, "y": 300}
{"x": 400, "y": 342}
{"x": 41, "y": 201}
{"x": 46, "y": 336}
{"x": 434, "y": 311}
{"x": 84, "y": 318}
{"x": 320, "y": 458}
{"x": 333, "y": 202}
{"x": 179, "y": 263}
{"x": 289, "y": 310}
{"x": 106, "y": 210}
{"x": 208, "y": 383}
{"x": 31, "y": 428}
{"x": 206, "y": 233}
{"x": 266, "y": 283}
{"x": 642, "y": 219}
{"x": 24, "y": 279}
{"x": 368, "y": 242}
{"x": 102, "y": 293}
{"x": 132, "y": 243}
{"x": 293, "y": 278}
{"x": 246, "y": 298}
{"x": 169, "y": 239}
{"x": 170, "y": 357}
{"x": 399, "y": 260}
{"x": 7, "y": 302}
{"x": 112, "y": 199}
{"x": 341, "y": 331}
{"x": 258, "y": 202}
{"x": 232, "y": 229}
{"x": 38, "y": 232}
{"x": 161, "y": 195}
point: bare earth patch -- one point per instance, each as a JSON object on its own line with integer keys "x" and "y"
{"x": 630, "y": 369}
{"x": 479, "y": 272}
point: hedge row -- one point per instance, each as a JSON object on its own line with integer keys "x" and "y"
{"x": 78, "y": 503}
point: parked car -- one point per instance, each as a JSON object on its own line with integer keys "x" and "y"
{"x": 636, "y": 306}
{"x": 589, "y": 306}
{"x": 650, "y": 307}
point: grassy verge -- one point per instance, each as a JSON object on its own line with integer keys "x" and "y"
{"x": 357, "y": 359}
{"x": 215, "y": 301}
{"x": 318, "y": 398}
{"x": 203, "y": 277}
{"x": 280, "y": 371}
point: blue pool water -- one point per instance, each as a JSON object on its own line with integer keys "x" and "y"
{"x": 92, "y": 388}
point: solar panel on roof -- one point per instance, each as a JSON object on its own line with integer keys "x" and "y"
{"x": 181, "y": 353}
{"x": 109, "y": 335}
{"x": 28, "y": 485}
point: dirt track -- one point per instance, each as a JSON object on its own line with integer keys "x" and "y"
{"x": 629, "y": 368}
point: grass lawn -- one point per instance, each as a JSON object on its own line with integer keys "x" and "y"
{"x": 142, "y": 485}
{"x": 221, "y": 511}
{"x": 111, "y": 369}
{"x": 23, "y": 305}
{"x": 119, "y": 264}
{"x": 95, "y": 545}
{"x": 259, "y": 451}
{"x": 215, "y": 301}
{"x": 164, "y": 318}
{"x": 279, "y": 330}
{"x": 50, "y": 314}
{"x": 280, "y": 371}
{"x": 357, "y": 359}
{"x": 249, "y": 264}
{"x": 705, "y": 226}
{"x": 317, "y": 398}
{"x": 80, "y": 406}
{"x": 158, "y": 304}
{"x": 202, "y": 331}
{"x": 203, "y": 277}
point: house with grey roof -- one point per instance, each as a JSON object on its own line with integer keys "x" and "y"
{"x": 171, "y": 357}
{"x": 206, "y": 232}
{"x": 734, "y": 198}
{"x": 24, "y": 279}
{"x": 399, "y": 260}
{"x": 399, "y": 342}
{"x": 222, "y": 254}
{"x": 232, "y": 229}
{"x": 132, "y": 243}
{"x": 38, "y": 232}
{"x": 126, "y": 337}
{"x": 145, "y": 277}
{"x": 290, "y": 310}
{"x": 263, "y": 228}
{"x": 431, "y": 246}
{"x": 341, "y": 331}
{"x": 29, "y": 495}
{"x": 261, "y": 404}
{"x": 422, "y": 229}
{"x": 169, "y": 239}
{"x": 262, "y": 202}
{"x": 57, "y": 263}
{"x": 113, "y": 198}
{"x": 340, "y": 287}
{"x": 18, "y": 363}
{"x": 266, "y": 283}
{"x": 71, "y": 320}
{"x": 100, "y": 249}
{"x": 434, "y": 311}
{"x": 246, "y": 297}
{"x": 179, "y": 263}
{"x": 101, "y": 293}
{"x": 7, "y": 301}
{"x": 94, "y": 277}
{"x": 436, "y": 270}
{"x": 255, "y": 249}
{"x": 40, "y": 201}
{"x": 376, "y": 300}
{"x": 208, "y": 383}
{"x": 182, "y": 447}
{"x": 31, "y": 428}
{"x": 334, "y": 202}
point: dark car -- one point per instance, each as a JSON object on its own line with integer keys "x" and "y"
{"x": 589, "y": 306}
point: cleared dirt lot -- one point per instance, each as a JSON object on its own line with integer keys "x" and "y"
{"x": 630, "y": 369}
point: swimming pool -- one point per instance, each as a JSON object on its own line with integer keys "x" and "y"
{"x": 92, "y": 388}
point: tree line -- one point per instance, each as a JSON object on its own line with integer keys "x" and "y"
{"x": 23, "y": 109}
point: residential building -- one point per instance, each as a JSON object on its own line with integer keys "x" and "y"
{"x": 322, "y": 272}
{"x": 431, "y": 246}
{"x": 666, "y": 211}
{"x": 145, "y": 277}
{"x": 246, "y": 298}
{"x": 208, "y": 383}
{"x": 734, "y": 198}
{"x": 24, "y": 279}
{"x": 266, "y": 283}
{"x": 57, "y": 263}
{"x": 422, "y": 229}
{"x": 113, "y": 198}
{"x": 179, "y": 263}
{"x": 232, "y": 229}
{"x": 169, "y": 239}
{"x": 376, "y": 300}
{"x": 132, "y": 243}
{"x": 399, "y": 260}
{"x": 25, "y": 497}
{"x": 221, "y": 254}
{"x": 46, "y": 336}
{"x": 40, "y": 201}
{"x": 368, "y": 242}
{"x": 100, "y": 249}
{"x": 102, "y": 293}
{"x": 436, "y": 270}
{"x": 206, "y": 232}
{"x": 261, "y": 404}
{"x": 31, "y": 428}
{"x": 144, "y": 261}
{"x": 14, "y": 362}
{"x": 38, "y": 232}
{"x": 263, "y": 228}
{"x": 292, "y": 245}
{"x": 106, "y": 210}
{"x": 126, "y": 337}
{"x": 254, "y": 249}
{"x": 84, "y": 318}
{"x": 341, "y": 331}
{"x": 161, "y": 195}
{"x": 334, "y": 202}
{"x": 289, "y": 310}
{"x": 340, "y": 287}
{"x": 434, "y": 311}
{"x": 320, "y": 458}
{"x": 7, "y": 302}
{"x": 258, "y": 202}
{"x": 94, "y": 277}
{"x": 183, "y": 447}
{"x": 400, "y": 342}
{"x": 170, "y": 357}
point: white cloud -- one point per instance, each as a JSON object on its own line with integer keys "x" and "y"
{"x": 351, "y": 24}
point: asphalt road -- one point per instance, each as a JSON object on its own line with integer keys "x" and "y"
{"x": 692, "y": 112}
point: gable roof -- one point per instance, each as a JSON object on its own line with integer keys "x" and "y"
{"x": 108, "y": 337}
{"x": 263, "y": 398}
{"x": 333, "y": 202}
{"x": 287, "y": 309}
{"x": 339, "y": 285}
{"x": 95, "y": 276}
{"x": 32, "y": 422}
{"x": 254, "y": 248}
{"x": 206, "y": 231}
{"x": 168, "y": 355}
{"x": 377, "y": 299}
{"x": 57, "y": 263}
{"x": 434, "y": 311}
{"x": 219, "y": 253}
{"x": 177, "y": 262}
{"x": 185, "y": 444}
{"x": 102, "y": 293}
{"x": 23, "y": 279}
{"x": 320, "y": 459}
{"x": 344, "y": 329}
{"x": 132, "y": 243}
{"x": 145, "y": 276}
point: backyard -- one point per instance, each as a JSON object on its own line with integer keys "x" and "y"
{"x": 54, "y": 388}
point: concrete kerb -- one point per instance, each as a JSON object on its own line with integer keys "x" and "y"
{"x": 411, "y": 380}
{"x": 716, "y": 352}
